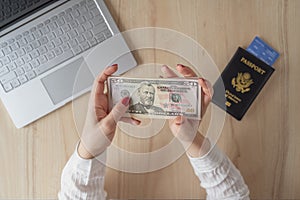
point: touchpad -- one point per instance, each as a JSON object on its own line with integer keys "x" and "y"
{"x": 60, "y": 84}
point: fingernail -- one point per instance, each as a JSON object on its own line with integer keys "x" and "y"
{"x": 114, "y": 65}
{"x": 125, "y": 101}
{"x": 136, "y": 122}
{"x": 180, "y": 65}
{"x": 203, "y": 80}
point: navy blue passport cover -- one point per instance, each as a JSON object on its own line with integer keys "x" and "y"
{"x": 243, "y": 78}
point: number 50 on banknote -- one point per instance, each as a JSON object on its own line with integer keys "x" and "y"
{"x": 157, "y": 98}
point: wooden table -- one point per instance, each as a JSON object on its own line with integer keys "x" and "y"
{"x": 264, "y": 145}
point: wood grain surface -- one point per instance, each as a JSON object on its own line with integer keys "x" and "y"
{"x": 264, "y": 145}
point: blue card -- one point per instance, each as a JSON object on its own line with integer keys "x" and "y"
{"x": 263, "y": 51}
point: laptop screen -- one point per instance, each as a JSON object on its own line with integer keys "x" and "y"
{"x": 12, "y": 11}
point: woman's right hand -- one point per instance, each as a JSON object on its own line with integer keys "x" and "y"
{"x": 186, "y": 130}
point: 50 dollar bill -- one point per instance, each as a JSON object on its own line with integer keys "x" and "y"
{"x": 157, "y": 98}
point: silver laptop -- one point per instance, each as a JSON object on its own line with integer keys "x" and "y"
{"x": 43, "y": 45}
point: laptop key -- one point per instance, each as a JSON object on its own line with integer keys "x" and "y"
{"x": 88, "y": 16}
{"x": 81, "y": 19}
{"x": 50, "y": 45}
{"x": 22, "y": 42}
{"x": 57, "y": 41}
{"x": 98, "y": 29}
{"x": 65, "y": 47}
{"x": 43, "y": 40}
{"x": 15, "y": 83}
{"x": 27, "y": 58}
{"x": 92, "y": 42}
{"x": 58, "y": 32}
{"x": 6, "y": 50}
{"x": 58, "y": 51}
{"x": 35, "y": 63}
{"x": 50, "y": 55}
{"x": 53, "y": 26}
{"x": 65, "y": 37}
{"x": 14, "y": 46}
{"x": 7, "y": 87}
{"x": 36, "y": 44}
{"x": 73, "y": 43}
{"x": 37, "y": 34}
{"x": 80, "y": 39}
{"x": 87, "y": 25}
{"x": 29, "y": 38}
{"x": 88, "y": 35}
{"x": 28, "y": 48}
{"x": 73, "y": 24}
{"x": 35, "y": 54}
{"x": 61, "y": 21}
{"x": 66, "y": 27}
{"x": 42, "y": 59}
{"x": 95, "y": 12}
{"x": 13, "y": 56}
{"x": 3, "y": 70}
{"x": 45, "y": 30}
{"x": 51, "y": 36}
{"x": 100, "y": 37}
{"x": 5, "y": 60}
{"x": 80, "y": 29}
{"x": 11, "y": 66}
{"x": 85, "y": 45}
{"x": 23, "y": 79}
{"x": 42, "y": 50}
{"x": 27, "y": 67}
{"x": 97, "y": 20}
{"x": 31, "y": 75}
{"x": 19, "y": 62}
{"x": 77, "y": 50}
{"x": 75, "y": 13}
{"x": 19, "y": 71}
{"x": 20, "y": 52}
{"x": 8, "y": 77}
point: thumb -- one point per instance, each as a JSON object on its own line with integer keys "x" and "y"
{"x": 111, "y": 120}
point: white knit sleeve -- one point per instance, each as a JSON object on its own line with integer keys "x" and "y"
{"x": 83, "y": 178}
{"x": 219, "y": 177}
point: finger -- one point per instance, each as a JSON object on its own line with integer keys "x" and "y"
{"x": 186, "y": 71}
{"x": 179, "y": 120}
{"x": 207, "y": 91}
{"x": 168, "y": 73}
{"x": 110, "y": 121}
{"x": 99, "y": 82}
{"x": 206, "y": 87}
{"x": 130, "y": 121}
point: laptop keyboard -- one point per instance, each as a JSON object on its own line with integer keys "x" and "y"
{"x": 50, "y": 43}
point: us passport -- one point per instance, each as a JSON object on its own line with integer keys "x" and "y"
{"x": 240, "y": 83}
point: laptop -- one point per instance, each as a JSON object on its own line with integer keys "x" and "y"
{"x": 46, "y": 44}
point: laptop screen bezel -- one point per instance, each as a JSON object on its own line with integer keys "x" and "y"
{"x": 31, "y": 16}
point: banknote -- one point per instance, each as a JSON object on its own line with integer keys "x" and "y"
{"x": 157, "y": 98}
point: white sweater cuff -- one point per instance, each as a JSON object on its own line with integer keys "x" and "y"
{"x": 209, "y": 161}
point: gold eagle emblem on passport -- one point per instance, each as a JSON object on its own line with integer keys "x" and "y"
{"x": 242, "y": 82}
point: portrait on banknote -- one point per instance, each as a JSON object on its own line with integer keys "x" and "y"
{"x": 146, "y": 96}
